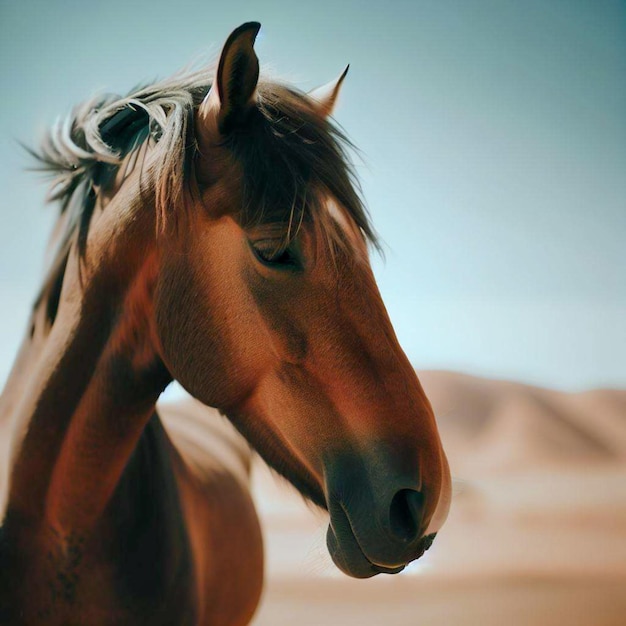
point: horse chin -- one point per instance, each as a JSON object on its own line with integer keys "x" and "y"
{"x": 349, "y": 558}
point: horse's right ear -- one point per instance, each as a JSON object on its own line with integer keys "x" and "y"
{"x": 232, "y": 94}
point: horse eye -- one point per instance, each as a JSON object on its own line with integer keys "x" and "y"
{"x": 275, "y": 257}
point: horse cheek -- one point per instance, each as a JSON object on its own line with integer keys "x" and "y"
{"x": 194, "y": 337}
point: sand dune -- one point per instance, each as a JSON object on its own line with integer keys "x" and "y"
{"x": 536, "y": 534}
{"x": 502, "y": 425}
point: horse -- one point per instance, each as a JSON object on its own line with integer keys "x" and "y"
{"x": 211, "y": 231}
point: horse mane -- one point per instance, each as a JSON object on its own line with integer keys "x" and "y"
{"x": 290, "y": 157}
{"x": 90, "y": 145}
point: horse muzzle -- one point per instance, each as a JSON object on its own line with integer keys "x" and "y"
{"x": 378, "y": 519}
{"x": 390, "y": 555}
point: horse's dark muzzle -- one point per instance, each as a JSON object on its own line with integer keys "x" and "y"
{"x": 377, "y": 520}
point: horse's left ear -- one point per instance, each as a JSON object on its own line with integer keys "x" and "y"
{"x": 325, "y": 97}
{"x": 232, "y": 94}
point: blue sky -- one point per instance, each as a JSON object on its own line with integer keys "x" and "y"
{"x": 493, "y": 141}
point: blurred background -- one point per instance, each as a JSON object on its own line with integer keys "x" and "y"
{"x": 492, "y": 137}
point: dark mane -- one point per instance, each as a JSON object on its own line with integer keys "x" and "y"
{"x": 290, "y": 156}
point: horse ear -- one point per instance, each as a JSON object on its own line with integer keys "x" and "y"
{"x": 324, "y": 97}
{"x": 232, "y": 94}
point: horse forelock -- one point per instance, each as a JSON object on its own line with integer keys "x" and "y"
{"x": 293, "y": 159}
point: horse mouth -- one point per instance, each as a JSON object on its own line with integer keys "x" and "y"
{"x": 348, "y": 555}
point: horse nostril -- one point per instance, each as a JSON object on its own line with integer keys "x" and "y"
{"x": 405, "y": 514}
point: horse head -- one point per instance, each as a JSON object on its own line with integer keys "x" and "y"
{"x": 266, "y": 307}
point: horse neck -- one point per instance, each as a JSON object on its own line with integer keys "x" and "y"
{"x": 83, "y": 389}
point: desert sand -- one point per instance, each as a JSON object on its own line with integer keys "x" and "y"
{"x": 536, "y": 533}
